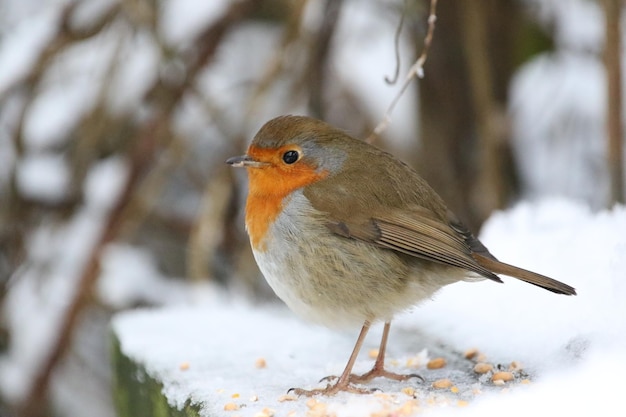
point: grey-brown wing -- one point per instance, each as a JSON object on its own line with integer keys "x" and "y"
{"x": 416, "y": 233}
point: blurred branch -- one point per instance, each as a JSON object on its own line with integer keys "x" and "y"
{"x": 277, "y": 62}
{"x": 65, "y": 36}
{"x": 15, "y": 211}
{"x": 34, "y": 403}
{"x": 490, "y": 123}
{"x": 146, "y": 142}
{"x": 318, "y": 57}
{"x": 615, "y": 128}
{"x": 206, "y": 235}
{"x": 416, "y": 70}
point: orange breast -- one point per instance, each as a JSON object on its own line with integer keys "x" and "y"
{"x": 268, "y": 188}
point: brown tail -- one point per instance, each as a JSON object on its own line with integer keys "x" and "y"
{"x": 539, "y": 280}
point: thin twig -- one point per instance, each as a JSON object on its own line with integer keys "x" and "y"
{"x": 416, "y": 70}
{"x": 396, "y": 45}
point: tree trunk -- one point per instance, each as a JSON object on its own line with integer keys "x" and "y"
{"x": 615, "y": 129}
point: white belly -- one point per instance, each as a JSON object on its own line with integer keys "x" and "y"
{"x": 335, "y": 281}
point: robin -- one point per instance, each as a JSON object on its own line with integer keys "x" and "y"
{"x": 348, "y": 235}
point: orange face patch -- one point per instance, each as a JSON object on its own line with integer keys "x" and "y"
{"x": 270, "y": 185}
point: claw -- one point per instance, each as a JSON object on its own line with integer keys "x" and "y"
{"x": 330, "y": 390}
{"x": 329, "y": 378}
{"x": 347, "y": 380}
{"x": 379, "y": 372}
{"x": 349, "y": 384}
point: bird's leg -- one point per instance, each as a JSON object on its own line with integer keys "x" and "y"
{"x": 379, "y": 365}
{"x": 344, "y": 381}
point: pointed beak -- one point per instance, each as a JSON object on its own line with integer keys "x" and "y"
{"x": 245, "y": 161}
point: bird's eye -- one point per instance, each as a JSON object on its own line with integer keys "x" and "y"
{"x": 290, "y": 157}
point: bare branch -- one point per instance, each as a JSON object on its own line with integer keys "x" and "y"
{"x": 416, "y": 70}
{"x": 146, "y": 142}
{"x": 396, "y": 44}
{"x": 615, "y": 129}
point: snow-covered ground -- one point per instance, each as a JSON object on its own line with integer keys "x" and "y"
{"x": 572, "y": 348}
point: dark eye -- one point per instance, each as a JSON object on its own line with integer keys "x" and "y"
{"x": 290, "y": 157}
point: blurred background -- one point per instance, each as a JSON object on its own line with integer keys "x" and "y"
{"x": 116, "y": 117}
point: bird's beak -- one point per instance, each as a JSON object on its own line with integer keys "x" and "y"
{"x": 245, "y": 161}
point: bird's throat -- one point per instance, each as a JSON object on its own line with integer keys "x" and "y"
{"x": 268, "y": 190}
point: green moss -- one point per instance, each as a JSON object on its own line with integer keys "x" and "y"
{"x": 530, "y": 41}
{"x": 137, "y": 394}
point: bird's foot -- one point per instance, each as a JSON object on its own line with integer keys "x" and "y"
{"x": 332, "y": 389}
{"x": 375, "y": 372}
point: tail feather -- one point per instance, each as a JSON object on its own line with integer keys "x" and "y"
{"x": 539, "y": 280}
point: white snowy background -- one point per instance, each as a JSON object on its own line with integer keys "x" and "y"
{"x": 575, "y": 347}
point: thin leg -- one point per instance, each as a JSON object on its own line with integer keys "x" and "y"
{"x": 343, "y": 383}
{"x": 380, "y": 358}
{"x": 379, "y": 365}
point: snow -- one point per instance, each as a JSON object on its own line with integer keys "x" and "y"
{"x": 196, "y": 15}
{"x": 43, "y": 177}
{"x": 38, "y": 296}
{"x": 104, "y": 183}
{"x": 21, "y": 46}
{"x": 34, "y": 307}
{"x": 592, "y": 387}
{"x": 557, "y": 107}
{"x": 129, "y": 277}
{"x": 140, "y": 56}
{"x": 577, "y": 24}
{"x": 573, "y": 348}
{"x": 559, "y": 128}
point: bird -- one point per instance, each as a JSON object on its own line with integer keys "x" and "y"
{"x": 347, "y": 234}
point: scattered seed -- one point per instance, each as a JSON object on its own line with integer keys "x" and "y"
{"x": 515, "y": 366}
{"x": 260, "y": 363}
{"x": 254, "y": 398}
{"x": 319, "y": 409}
{"x": 482, "y": 367}
{"x": 502, "y": 376}
{"x": 383, "y": 396}
{"x": 471, "y": 353}
{"x": 410, "y": 391}
{"x": 454, "y": 389}
{"x": 231, "y": 407}
{"x": 462, "y": 403}
{"x": 442, "y": 383}
{"x": 266, "y": 412}
{"x": 436, "y": 363}
{"x": 412, "y": 363}
{"x": 287, "y": 397}
{"x": 373, "y": 353}
{"x": 407, "y": 408}
{"x": 311, "y": 402}
{"x": 184, "y": 366}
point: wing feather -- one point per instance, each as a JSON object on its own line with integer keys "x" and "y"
{"x": 415, "y": 233}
